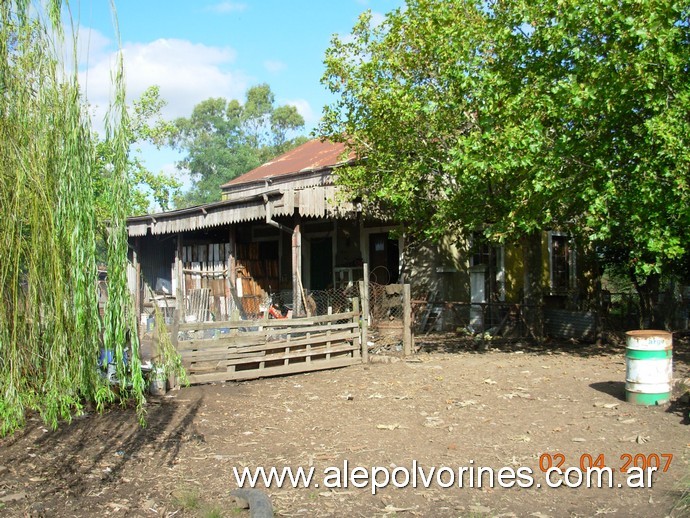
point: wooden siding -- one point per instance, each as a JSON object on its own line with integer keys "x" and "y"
{"x": 205, "y": 267}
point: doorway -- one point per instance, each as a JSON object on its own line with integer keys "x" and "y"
{"x": 384, "y": 259}
{"x": 321, "y": 263}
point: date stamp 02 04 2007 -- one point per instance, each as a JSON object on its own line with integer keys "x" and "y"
{"x": 658, "y": 461}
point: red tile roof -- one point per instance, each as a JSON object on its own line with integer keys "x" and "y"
{"x": 310, "y": 156}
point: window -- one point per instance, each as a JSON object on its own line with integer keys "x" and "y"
{"x": 561, "y": 262}
{"x": 489, "y": 259}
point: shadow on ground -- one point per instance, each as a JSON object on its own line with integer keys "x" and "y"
{"x": 95, "y": 449}
{"x": 615, "y": 389}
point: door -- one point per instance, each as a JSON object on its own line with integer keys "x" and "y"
{"x": 478, "y": 283}
{"x": 321, "y": 264}
{"x": 384, "y": 259}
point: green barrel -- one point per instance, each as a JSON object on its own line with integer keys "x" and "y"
{"x": 648, "y": 367}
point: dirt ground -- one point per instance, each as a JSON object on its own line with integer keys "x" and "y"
{"x": 449, "y": 406}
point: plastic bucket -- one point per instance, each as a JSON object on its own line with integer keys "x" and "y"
{"x": 159, "y": 382}
{"x": 648, "y": 367}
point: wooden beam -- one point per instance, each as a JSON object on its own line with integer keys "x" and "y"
{"x": 277, "y": 323}
{"x": 179, "y": 295}
{"x": 273, "y": 371}
{"x": 407, "y": 320}
{"x": 297, "y": 302}
{"x": 363, "y": 288}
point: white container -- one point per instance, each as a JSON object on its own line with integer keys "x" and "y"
{"x": 648, "y": 367}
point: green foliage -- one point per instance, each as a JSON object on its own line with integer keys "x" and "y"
{"x": 144, "y": 125}
{"x": 514, "y": 116}
{"x": 224, "y": 139}
{"x": 167, "y": 356}
{"x": 119, "y": 321}
{"x": 50, "y": 333}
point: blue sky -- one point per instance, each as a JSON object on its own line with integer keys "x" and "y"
{"x": 194, "y": 50}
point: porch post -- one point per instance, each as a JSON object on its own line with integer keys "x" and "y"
{"x": 231, "y": 304}
{"x": 179, "y": 274}
{"x": 297, "y": 288}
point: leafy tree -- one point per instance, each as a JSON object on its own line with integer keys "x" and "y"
{"x": 144, "y": 125}
{"x": 51, "y": 333}
{"x": 515, "y": 116}
{"x": 224, "y": 139}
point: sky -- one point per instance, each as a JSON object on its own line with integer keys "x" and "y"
{"x": 197, "y": 49}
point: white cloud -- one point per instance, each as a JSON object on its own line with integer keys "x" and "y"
{"x": 306, "y": 111}
{"x": 227, "y": 7}
{"x": 93, "y": 46}
{"x": 186, "y": 73}
{"x": 274, "y": 66}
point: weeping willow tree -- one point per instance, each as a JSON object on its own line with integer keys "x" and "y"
{"x": 50, "y": 332}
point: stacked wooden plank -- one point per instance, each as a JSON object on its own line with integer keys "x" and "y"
{"x": 240, "y": 350}
{"x": 205, "y": 268}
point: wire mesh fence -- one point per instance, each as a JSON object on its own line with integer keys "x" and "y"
{"x": 621, "y": 311}
{"x": 486, "y": 320}
{"x": 386, "y": 322}
{"x": 314, "y": 302}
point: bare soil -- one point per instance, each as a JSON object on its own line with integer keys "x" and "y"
{"x": 450, "y": 405}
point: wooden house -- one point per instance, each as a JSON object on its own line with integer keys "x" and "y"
{"x": 278, "y": 232}
{"x": 281, "y": 231}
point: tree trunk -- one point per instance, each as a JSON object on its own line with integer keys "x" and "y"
{"x": 533, "y": 290}
{"x": 648, "y": 292}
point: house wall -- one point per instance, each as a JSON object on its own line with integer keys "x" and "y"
{"x": 438, "y": 270}
{"x": 157, "y": 256}
{"x": 515, "y": 277}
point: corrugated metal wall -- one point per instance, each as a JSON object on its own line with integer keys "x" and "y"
{"x": 563, "y": 323}
{"x": 157, "y": 258}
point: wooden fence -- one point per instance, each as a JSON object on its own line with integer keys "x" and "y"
{"x": 241, "y": 350}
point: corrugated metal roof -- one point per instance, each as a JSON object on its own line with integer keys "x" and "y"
{"x": 314, "y": 196}
{"x": 310, "y": 156}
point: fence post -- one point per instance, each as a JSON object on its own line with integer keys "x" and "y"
{"x": 358, "y": 340}
{"x": 365, "y": 325}
{"x": 174, "y": 331}
{"x": 365, "y": 293}
{"x": 407, "y": 320}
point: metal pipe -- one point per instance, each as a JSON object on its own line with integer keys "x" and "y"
{"x": 271, "y": 221}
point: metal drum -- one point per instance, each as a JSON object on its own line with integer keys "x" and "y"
{"x": 648, "y": 367}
